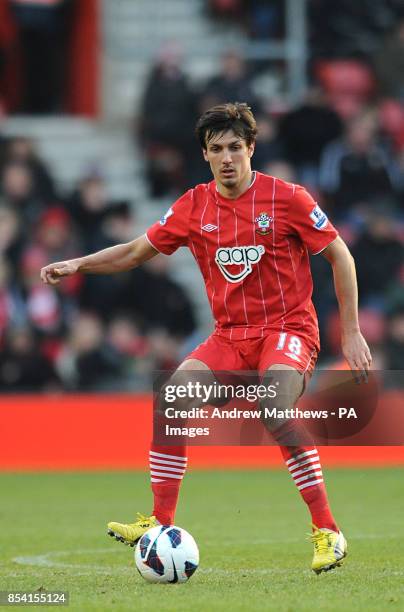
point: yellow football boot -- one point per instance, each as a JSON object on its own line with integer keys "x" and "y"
{"x": 131, "y": 533}
{"x": 330, "y": 548}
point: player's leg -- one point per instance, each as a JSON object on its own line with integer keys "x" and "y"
{"x": 168, "y": 463}
{"x": 167, "y": 467}
{"x": 289, "y": 367}
{"x": 301, "y": 457}
{"x": 303, "y": 463}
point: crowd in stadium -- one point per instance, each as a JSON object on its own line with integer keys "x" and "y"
{"x": 344, "y": 142}
{"x": 95, "y": 330}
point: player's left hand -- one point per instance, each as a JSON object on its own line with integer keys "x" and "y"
{"x": 357, "y": 354}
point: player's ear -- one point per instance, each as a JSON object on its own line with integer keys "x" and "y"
{"x": 251, "y": 149}
{"x": 205, "y": 154}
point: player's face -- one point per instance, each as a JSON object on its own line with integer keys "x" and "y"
{"x": 229, "y": 157}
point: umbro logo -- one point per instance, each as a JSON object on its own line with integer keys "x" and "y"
{"x": 209, "y": 227}
{"x": 292, "y": 356}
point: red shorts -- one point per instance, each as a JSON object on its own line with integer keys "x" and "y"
{"x": 220, "y": 353}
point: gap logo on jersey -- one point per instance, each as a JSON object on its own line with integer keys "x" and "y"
{"x": 319, "y": 217}
{"x": 244, "y": 256}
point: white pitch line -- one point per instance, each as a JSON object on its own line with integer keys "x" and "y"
{"x": 48, "y": 560}
{"x": 51, "y": 559}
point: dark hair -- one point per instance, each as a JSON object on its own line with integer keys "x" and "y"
{"x": 236, "y": 116}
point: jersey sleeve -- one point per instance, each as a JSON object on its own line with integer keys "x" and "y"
{"x": 309, "y": 222}
{"x": 171, "y": 232}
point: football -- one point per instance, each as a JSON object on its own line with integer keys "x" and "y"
{"x": 166, "y": 554}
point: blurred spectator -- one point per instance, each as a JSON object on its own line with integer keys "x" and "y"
{"x": 23, "y": 367}
{"x": 55, "y": 239}
{"x": 389, "y": 64}
{"x": 118, "y": 224}
{"x": 124, "y": 335}
{"x": 167, "y": 120}
{"x": 379, "y": 255}
{"x": 17, "y": 189}
{"x": 358, "y": 168}
{"x": 52, "y": 239}
{"x": 21, "y": 149}
{"x": 53, "y": 234}
{"x": 43, "y": 31}
{"x": 174, "y": 314}
{"x": 43, "y": 305}
{"x": 134, "y": 349}
{"x": 88, "y": 361}
{"x": 305, "y": 131}
{"x": 11, "y": 238}
{"x": 268, "y": 146}
{"x": 395, "y": 340}
{"x": 230, "y": 85}
{"x": 109, "y": 294}
{"x": 12, "y": 307}
{"x": 165, "y": 350}
{"x": 88, "y": 206}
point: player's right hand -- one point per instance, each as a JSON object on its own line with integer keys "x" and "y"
{"x": 53, "y": 273}
{"x": 357, "y": 354}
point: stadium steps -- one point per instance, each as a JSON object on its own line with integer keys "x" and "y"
{"x": 73, "y": 147}
{"x": 133, "y": 36}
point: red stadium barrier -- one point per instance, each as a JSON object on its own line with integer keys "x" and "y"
{"x": 96, "y": 432}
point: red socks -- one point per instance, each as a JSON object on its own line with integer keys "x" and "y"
{"x": 168, "y": 465}
{"x": 167, "y": 469}
{"x": 303, "y": 463}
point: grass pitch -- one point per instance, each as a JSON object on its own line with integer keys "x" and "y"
{"x": 250, "y": 527}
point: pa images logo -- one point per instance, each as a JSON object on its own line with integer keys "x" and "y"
{"x": 263, "y": 224}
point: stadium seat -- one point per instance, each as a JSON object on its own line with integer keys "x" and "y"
{"x": 346, "y": 77}
{"x": 349, "y": 84}
{"x": 391, "y": 114}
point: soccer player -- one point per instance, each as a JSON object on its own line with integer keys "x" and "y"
{"x": 251, "y": 235}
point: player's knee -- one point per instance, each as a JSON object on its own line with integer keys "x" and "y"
{"x": 287, "y": 381}
{"x": 288, "y": 384}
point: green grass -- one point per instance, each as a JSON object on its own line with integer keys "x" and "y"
{"x": 250, "y": 528}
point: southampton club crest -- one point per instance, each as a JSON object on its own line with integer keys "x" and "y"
{"x": 263, "y": 224}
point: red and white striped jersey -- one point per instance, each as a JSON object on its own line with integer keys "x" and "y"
{"x": 253, "y": 253}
